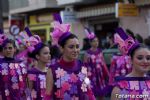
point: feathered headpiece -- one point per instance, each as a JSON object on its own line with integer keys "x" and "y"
{"x": 125, "y": 42}
{"x": 90, "y": 35}
{"x": 29, "y": 40}
{"x": 59, "y": 29}
{"x": 3, "y": 37}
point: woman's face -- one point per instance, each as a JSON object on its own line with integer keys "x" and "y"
{"x": 71, "y": 49}
{"x": 95, "y": 42}
{"x": 141, "y": 60}
{"x": 9, "y": 50}
{"x": 44, "y": 55}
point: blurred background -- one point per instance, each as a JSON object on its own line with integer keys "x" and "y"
{"x": 101, "y": 16}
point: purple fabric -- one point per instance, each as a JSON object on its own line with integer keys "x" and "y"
{"x": 64, "y": 36}
{"x": 122, "y": 34}
{"x": 38, "y": 47}
{"x": 9, "y": 78}
{"x": 96, "y": 52}
{"x": 28, "y": 31}
{"x": 5, "y": 42}
{"x": 57, "y": 17}
{"x": 133, "y": 47}
{"x": 1, "y": 31}
{"x": 120, "y": 66}
{"x": 75, "y": 88}
{"x": 133, "y": 86}
{"x": 36, "y": 83}
{"x": 98, "y": 74}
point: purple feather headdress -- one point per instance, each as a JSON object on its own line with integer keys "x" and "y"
{"x": 60, "y": 30}
{"x": 3, "y": 38}
{"x": 126, "y": 43}
{"x": 31, "y": 40}
{"x": 90, "y": 35}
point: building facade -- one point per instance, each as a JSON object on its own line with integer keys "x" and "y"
{"x": 36, "y": 14}
{"x": 99, "y": 16}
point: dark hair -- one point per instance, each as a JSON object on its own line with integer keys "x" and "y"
{"x": 129, "y": 32}
{"x": 55, "y": 52}
{"x": 1, "y": 48}
{"x": 66, "y": 36}
{"x": 147, "y": 41}
{"x": 139, "y": 38}
{"x": 37, "y": 50}
{"x": 86, "y": 44}
{"x": 90, "y": 40}
{"x": 8, "y": 41}
{"x": 136, "y": 48}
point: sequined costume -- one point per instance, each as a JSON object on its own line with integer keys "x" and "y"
{"x": 12, "y": 79}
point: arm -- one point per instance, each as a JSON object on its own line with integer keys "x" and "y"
{"x": 104, "y": 64}
{"x": 114, "y": 94}
{"x": 85, "y": 58}
{"x": 90, "y": 94}
{"x": 29, "y": 85}
{"x": 112, "y": 71}
{"x": 49, "y": 84}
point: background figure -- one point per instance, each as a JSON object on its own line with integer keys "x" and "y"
{"x": 120, "y": 63}
{"x": 68, "y": 77}
{"x": 37, "y": 74}
{"x": 12, "y": 74}
{"x": 97, "y": 69}
{"x": 136, "y": 82}
{"x": 110, "y": 42}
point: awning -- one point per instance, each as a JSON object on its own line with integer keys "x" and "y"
{"x": 142, "y": 2}
{"x": 96, "y": 11}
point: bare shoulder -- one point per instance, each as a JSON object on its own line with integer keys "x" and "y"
{"x": 115, "y": 93}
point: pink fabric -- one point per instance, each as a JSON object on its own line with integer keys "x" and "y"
{"x": 59, "y": 30}
{"x": 89, "y": 35}
{"x": 2, "y": 38}
{"x": 124, "y": 45}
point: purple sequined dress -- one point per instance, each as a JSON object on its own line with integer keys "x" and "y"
{"x": 38, "y": 81}
{"x": 97, "y": 71}
{"x": 120, "y": 66}
{"x": 69, "y": 81}
{"x": 133, "y": 88}
{"x": 12, "y": 79}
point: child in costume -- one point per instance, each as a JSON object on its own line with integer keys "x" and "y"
{"x": 97, "y": 69}
{"x": 36, "y": 80}
{"x": 12, "y": 73}
{"x": 121, "y": 63}
{"x": 68, "y": 77}
{"x": 135, "y": 85}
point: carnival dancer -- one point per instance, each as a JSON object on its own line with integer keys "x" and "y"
{"x": 12, "y": 73}
{"x": 68, "y": 77}
{"x": 36, "y": 80}
{"x": 97, "y": 69}
{"x": 120, "y": 63}
{"x": 135, "y": 85}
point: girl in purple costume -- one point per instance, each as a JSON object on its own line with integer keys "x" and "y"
{"x": 135, "y": 85}
{"x": 120, "y": 64}
{"x": 37, "y": 74}
{"x": 12, "y": 74}
{"x": 68, "y": 77}
{"x": 97, "y": 69}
